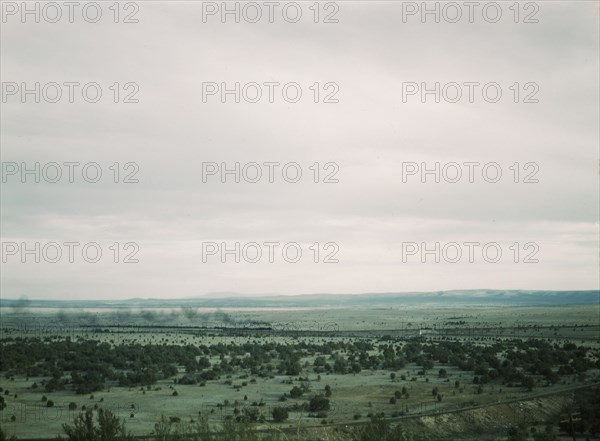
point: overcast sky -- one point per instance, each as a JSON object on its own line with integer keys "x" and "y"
{"x": 369, "y": 134}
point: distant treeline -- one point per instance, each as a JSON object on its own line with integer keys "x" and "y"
{"x": 86, "y": 366}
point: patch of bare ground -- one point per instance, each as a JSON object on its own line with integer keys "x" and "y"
{"x": 490, "y": 422}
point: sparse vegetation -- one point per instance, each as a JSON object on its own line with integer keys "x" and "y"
{"x": 253, "y": 382}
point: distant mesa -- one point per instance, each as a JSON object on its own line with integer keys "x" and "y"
{"x": 374, "y": 300}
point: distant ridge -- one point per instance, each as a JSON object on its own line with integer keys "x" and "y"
{"x": 234, "y": 300}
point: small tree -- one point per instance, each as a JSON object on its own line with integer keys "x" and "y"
{"x": 318, "y": 404}
{"x": 528, "y": 383}
{"x": 296, "y": 392}
{"x": 280, "y": 414}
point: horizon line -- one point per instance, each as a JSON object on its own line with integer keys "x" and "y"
{"x": 232, "y": 295}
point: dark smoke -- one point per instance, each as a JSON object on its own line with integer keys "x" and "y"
{"x": 21, "y": 306}
{"x": 189, "y": 312}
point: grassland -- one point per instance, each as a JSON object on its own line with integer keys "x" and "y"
{"x": 402, "y": 392}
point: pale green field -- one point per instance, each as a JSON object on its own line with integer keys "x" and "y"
{"x": 363, "y": 393}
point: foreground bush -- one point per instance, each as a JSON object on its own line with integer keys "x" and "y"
{"x": 107, "y": 428}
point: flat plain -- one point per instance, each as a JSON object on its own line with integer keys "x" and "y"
{"x": 400, "y": 363}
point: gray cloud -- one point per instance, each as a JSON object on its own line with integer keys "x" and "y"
{"x": 369, "y": 134}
